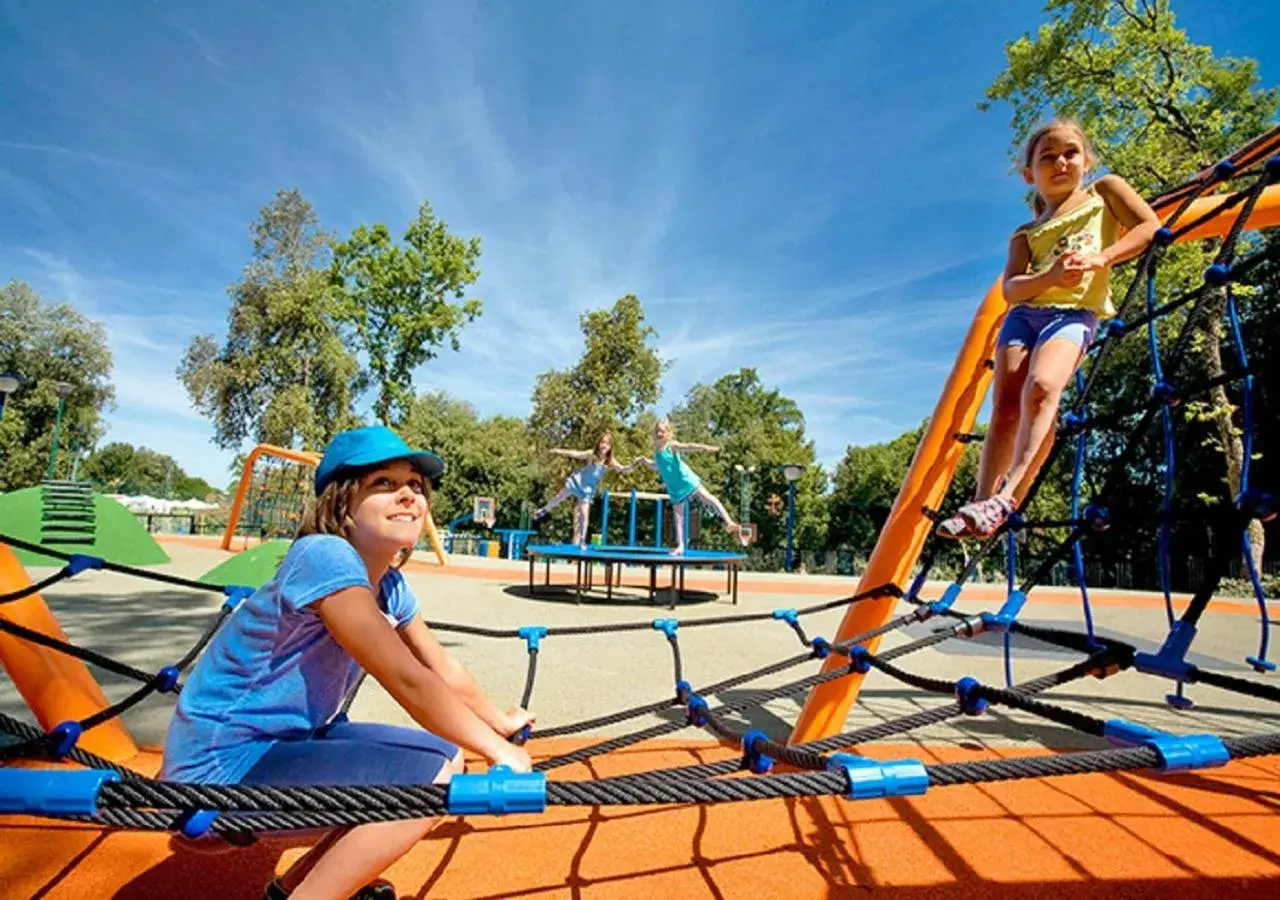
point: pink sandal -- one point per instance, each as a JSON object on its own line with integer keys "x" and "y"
{"x": 977, "y": 518}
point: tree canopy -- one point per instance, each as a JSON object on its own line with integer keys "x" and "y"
{"x": 47, "y": 345}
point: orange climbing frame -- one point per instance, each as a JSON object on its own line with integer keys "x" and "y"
{"x": 304, "y": 458}
{"x": 934, "y": 465}
{"x": 58, "y": 688}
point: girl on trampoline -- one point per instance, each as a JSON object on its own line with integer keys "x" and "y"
{"x": 1056, "y": 281}
{"x": 262, "y": 705}
{"x": 683, "y": 484}
{"x": 583, "y": 483}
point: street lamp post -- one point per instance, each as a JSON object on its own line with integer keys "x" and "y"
{"x": 63, "y": 389}
{"x": 744, "y": 491}
{"x": 792, "y": 472}
{"x": 9, "y": 382}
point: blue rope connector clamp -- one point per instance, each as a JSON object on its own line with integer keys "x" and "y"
{"x": 947, "y": 600}
{"x": 821, "y": 647}
{"x": 1178, "y": 753}
{"x": 78, "y": 562}
{"x": 1166, "y": 393}
{"x": 497, "y": 792}
{"x": 757, "y": 762}
{"x": 667, "y": 627}
{"x": 697, "y": 710}
{"x": 166, "y": 680}
{"x": 1258, "y": 504}
{"x": 790, "y": 616}
{"x": 52, "y": 792}
{"x": 871, "y": 778}
{"x": 1170, "y": 661}
{"x": 63, "y": 737}
{"x": 532, "y": 634}
{"x": 236, "y": 594}
{"x": 969, "y": 696}
{"x": 859, "y": 660}
{"x": 1217, "y": 274}
{"x": 1272, "y": 168}
{"x": 1008, "y": 613}
{"x": 1163, "y": 236}
{"x": 1097, "y": 517}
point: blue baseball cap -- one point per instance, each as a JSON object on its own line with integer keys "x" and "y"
{"x": 363, "y": 447}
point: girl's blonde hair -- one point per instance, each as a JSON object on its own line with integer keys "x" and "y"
{"x": 1029, "y": 151}
{"x": 330, "y": 513}
{"x": 609, "y": 456}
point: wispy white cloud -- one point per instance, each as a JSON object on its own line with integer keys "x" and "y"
{"x": 783, "y": 190}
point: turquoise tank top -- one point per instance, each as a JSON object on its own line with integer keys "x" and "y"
{"x": 680, "y": 480}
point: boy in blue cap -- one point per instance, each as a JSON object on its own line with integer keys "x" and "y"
{"x": 260, "y": 705}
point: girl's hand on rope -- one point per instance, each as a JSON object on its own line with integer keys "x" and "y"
{"x": 514, "y": 719}
{"x": 514, "y": 758}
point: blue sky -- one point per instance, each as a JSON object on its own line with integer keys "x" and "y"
{"x": 806, "y": 188}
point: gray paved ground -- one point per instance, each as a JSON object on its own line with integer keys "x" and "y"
{"x": 149, "y": 625}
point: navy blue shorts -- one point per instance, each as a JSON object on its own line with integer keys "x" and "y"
{"x": 1030, "y": 326}
{"x": 355, "y": 753}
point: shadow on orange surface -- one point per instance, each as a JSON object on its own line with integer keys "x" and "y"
{"x": 1114, "y": 835}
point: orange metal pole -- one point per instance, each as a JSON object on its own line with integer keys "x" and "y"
{"x": 57, "y": 687}
{"x": 935, "y": 462}
{"x": 907, "y": 526}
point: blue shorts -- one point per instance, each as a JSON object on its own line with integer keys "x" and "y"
{"x": 1030, "y": 326}
{"x": 355, "y": 753}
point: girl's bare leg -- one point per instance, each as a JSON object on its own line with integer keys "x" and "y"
{"x": 1052, "y": 365}
{"x": 346, "y": 860}
{"x": 1006, "y": 409}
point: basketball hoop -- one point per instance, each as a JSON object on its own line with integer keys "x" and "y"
{"x": 484, "y": 511}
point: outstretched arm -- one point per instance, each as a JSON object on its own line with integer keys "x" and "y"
{"x": 642, "y": 462}
{"x": 695, "y": 448}
{"x": 571, "y": 454}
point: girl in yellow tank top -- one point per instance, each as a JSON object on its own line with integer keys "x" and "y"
{"x": 1057, "y": 282}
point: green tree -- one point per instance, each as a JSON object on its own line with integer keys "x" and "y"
{"x": 755, "y": 427}
{"x": 399, "y": 304}
{"x": 610, "y": 388}
{"x": 1158, "y": 109}
{"x": 282, "y": 376}
{"x": 483, "y": 457}
{"x": 121, "y": 468}
{"x": 47, "y": 343}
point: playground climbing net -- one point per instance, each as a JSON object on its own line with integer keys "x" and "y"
{"x": 110, "y": 794}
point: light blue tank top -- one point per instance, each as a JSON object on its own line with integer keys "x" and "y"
{"x": 679, "y": 479}
{"x": 589, "y": 476}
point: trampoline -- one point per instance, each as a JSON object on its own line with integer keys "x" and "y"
{"x": 614, "y": 557}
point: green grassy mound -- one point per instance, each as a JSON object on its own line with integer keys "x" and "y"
{"x": 253, "y": 567}
{"x": 118, "y": 535}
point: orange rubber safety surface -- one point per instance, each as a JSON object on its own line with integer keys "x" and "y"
{"x": 1203, "y": 834}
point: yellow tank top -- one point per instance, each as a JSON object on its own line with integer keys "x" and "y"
{"x": 1089, "y": 228}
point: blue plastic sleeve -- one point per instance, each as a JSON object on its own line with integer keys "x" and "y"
{"x": 53, "y": 792}
{"x": 870, "y": 779}
{"x": 497, "y": 792}
{"x": 1192, "y": 751}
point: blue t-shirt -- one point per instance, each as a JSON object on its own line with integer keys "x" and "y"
{"x": 274, "y": 672}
